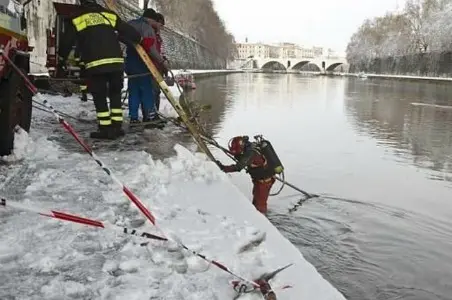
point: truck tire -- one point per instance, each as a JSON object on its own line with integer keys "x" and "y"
{"x": 15, "y": 109}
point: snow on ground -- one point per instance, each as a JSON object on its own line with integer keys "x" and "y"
{"x": 20, "y": 142}
{"x": 42, "y": 258}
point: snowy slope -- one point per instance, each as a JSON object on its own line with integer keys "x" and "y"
{"x": 41, "y": 258}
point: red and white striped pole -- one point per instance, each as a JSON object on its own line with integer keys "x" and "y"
{"x": 132, "y": 197}
{"x": 77, "y": 219}
{"x": 95, "y": 223}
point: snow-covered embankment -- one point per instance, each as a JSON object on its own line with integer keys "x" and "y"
{"x": 42, "y": 258}
{"x": 402, "y": 77}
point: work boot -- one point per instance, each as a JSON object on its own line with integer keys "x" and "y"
{"x": 84, "y": 97}
{"x": 159, "y": 119}
{"x": 154, "y": 124}
{"x": 152, "y": 121}
{"x": 103, "y": 132}
{"x": 117, "y": 129}
{"x": 147, "y": 119}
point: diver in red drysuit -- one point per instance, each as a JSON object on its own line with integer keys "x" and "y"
{"x": 248, "y": 156}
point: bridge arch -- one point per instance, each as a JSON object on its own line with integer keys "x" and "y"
{"x": 314, "y": 63}
{"x": 334, "y": 66}
{"x": 269, "y": 64}
{"x": 299, "y": 64}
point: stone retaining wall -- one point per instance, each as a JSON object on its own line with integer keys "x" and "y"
{"x": 423, "y": 64}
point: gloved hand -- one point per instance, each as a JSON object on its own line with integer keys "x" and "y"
{"x": 165, "y": 66}
{"x": 220, "y": 165}
{"x": 169, "y": 81}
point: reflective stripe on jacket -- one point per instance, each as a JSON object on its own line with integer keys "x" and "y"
{"x": 97, "y": 32}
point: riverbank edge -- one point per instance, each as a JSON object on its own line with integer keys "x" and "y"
{"x": 400, "y": 77}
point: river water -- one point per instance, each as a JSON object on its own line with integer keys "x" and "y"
{"x": 381, "y": 162}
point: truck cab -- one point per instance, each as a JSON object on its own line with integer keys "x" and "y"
{"x": 15, "y": 97}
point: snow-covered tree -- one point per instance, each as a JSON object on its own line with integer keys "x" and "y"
{"x": 439, "y": 28}
{"x": 423, "y": 26}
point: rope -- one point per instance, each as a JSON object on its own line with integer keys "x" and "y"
{"x": 207, "y": 139}
{"x": 43, "y": 108}
{"x": 175, "y": 82}
{"x": 214, "y": 143}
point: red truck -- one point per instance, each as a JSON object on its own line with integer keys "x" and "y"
{"x": 15, "y": 98}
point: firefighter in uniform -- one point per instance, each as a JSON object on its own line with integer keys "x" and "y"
{"x": 94, "y": 29}
{"x": 248, "y": 156}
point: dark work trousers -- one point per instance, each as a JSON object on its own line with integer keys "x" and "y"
{"x": 108, "y": 85}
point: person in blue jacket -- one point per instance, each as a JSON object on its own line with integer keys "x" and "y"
{"x": 141, "y": 89}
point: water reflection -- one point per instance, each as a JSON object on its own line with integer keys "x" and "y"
{"x": 212, "y": 91}
{"x": 252, "y": 92}
{"x": 383, "y": 109}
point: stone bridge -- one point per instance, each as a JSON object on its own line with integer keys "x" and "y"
{"x": 323, "y": 63}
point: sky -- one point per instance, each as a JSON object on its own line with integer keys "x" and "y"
{"x": 326, "y": 23}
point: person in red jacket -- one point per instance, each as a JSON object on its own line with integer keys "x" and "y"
{"x": 159, "y": 46}
{"x": 141, "y": 89}
{"x": 249, "y": 157}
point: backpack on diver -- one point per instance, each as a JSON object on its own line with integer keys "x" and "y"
{"x": 267, "y": 150}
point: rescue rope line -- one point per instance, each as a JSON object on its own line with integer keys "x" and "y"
{"x": 69, "y": 128}
{"x": 99, "y": 224}
{"x": 282, "y": 180}
{"x": 130, "y": 195}
{"x": 214, "y": 143}
{"x": 42, "y": 107}
{"x": 207, "y": 139}
{"x": 177, "y": 83}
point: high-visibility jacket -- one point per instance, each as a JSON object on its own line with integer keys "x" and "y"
{"x": 97, "y": 32}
